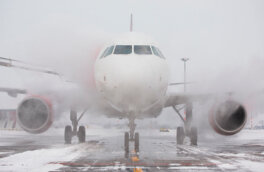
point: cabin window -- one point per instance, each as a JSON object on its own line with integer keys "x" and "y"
{"x": 142, "y": 49}
{"x": 123, "y": 49}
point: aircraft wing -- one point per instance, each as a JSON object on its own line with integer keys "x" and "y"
{"x": 69, "y": 94}
{"x": 13, "y": 63}
{"x": 174, "y": 99}
{"x": 8, "y": 62}
{"x": 13, "y": 92}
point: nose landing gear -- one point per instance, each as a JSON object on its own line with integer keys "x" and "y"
{"x": 131, "y": 136}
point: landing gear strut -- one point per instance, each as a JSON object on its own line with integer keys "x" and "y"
{"x": 126, "y": 142}
{"x": 187, "y": 130}
{"x": 132, "y": 127}
{"x": 131, "y": 135}
{"x": 71, "y": 131}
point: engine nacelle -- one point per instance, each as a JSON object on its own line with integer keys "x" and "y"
{"x": 35, "y": 114}
{"x": 228, "y": 118}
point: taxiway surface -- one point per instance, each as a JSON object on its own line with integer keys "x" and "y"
{"x": 104, "y": 151}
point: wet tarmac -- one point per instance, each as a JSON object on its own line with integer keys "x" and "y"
{"x": 104, "y": 151}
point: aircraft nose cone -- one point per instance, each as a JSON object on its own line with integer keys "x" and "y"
{"x": 134, "y": 83}
{"x": 133, "y": 76}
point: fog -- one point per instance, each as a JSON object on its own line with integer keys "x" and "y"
{"x": 223, "y": 39}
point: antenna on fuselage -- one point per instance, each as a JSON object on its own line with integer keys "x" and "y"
{"x": 131, "y": 22}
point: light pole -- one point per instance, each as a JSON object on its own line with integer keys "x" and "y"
{"x": 185, "y": 59}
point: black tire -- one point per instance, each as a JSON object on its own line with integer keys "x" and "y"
{"x": 137, "y": 142}
{"x": 126, "y": 142}
{"x": 180, "y": 135}
{"x": 68, "y": 134}
{"x": 81, "y": 134}
{"x": 193, "y": 136}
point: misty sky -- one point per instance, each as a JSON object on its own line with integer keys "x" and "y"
{"x": 224, "y": 39}
{"x": 213, "y": 34}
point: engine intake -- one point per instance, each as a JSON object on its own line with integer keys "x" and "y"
{"x": 34, "y": 115}
{"x": 228, "y": 118}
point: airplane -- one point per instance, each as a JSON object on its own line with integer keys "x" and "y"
{"x": 131, "y": 79}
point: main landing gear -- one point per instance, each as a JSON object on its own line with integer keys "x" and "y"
{"x": 71, "y": 131}
{"x": 131, "y": 136}
{"x": 187, "y": 130}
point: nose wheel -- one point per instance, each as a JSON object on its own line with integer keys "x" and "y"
{"x": 137, "y": 142}
{"x": 131, "y": 136}
{"x": 127, "y": 140}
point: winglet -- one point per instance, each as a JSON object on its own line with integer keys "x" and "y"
{"x": 131, "y": 22}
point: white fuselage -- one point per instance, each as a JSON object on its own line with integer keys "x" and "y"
{"x": 132, "y": 83}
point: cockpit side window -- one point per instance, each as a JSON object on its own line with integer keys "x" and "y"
{"x": 142, "y": 49}
{"x": 160, "y": 53}
{"x": 157, "y": 52}
{"x": 123, "y": 49}
{"x": 109, "y": 51}
{"x": 103, "y": 54}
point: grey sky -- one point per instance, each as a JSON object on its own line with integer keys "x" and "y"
{"x": 223, "y": 38}
{"x": 214, "y": 34}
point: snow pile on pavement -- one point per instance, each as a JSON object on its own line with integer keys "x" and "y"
{"x": 40, "y": 160}
{"x": 251, "y": 165}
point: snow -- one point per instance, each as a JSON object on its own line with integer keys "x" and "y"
{"x": 39, "y": 160}
{"x": 252, "y": 165}
{"x": 7, "y": 152}
{"x": 49, "y": 159}
{"x": 223, "y": 165}
{"x": 238, "y": 155}
{"x": 188, "y": 168}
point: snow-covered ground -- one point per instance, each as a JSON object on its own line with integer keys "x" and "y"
{"x": 20, "y": 151}
{"x": 38, "y": 160}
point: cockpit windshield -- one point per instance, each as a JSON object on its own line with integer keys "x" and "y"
{"x": 142, "y": 49}
{"x": 123, "y": 49}
{"x": 157, "y": 52}
{"x": 127, "y": 49}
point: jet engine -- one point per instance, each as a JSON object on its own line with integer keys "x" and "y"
{"x": 228, "y": 118}
{"x": 34, "y": 114}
